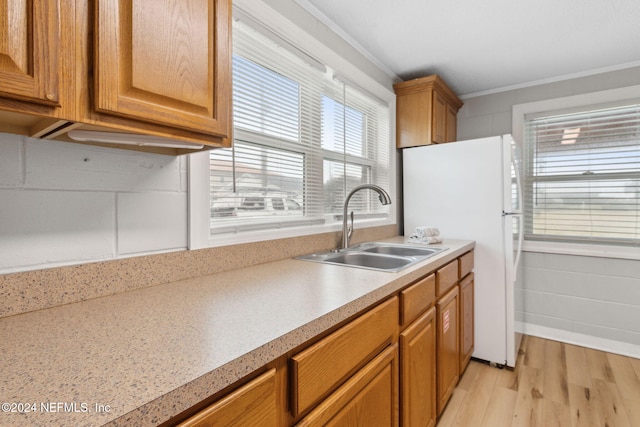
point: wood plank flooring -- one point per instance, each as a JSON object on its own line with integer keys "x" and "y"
{"x": 553, "y": 384}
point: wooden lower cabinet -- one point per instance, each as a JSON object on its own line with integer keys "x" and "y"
{"x": 448, "y": 347}
{"x": 396, "y": 364}
{"x": 466, "y": 321}
{"x": 418, "y": 372}
{"x": 323, "y": 366}
{"x": 254, "y": 404}
{"x": 368, "y": 398}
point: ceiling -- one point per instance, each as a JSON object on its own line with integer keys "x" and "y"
{"x": 484, "y": 46}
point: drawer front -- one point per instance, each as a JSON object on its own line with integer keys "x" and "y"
{"x": 322, "y": 367}
{"x": 417, "y": 298}
{"x": 254, "y": 404}
{"x": 466, "y": 264}
{"x": 368, "y": 398}
{"x": 446, "y": 277}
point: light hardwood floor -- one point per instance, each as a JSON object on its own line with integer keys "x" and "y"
{"x": 553, "y": 384}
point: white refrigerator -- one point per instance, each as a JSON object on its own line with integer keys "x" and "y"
{"x": 471, "y": 190}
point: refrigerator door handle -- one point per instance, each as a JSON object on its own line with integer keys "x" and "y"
{"x": 516, "y": 261}
{"x": 516, "y": 172}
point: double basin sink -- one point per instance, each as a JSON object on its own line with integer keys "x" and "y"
{"x": 382, "y": 256}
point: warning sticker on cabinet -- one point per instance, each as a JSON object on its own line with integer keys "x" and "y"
{"x": 445, "y": 321}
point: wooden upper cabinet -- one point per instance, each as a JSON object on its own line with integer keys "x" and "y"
{"x": 426, "y": 112}
{"x": 29, "y": 34}
{"x": 165, "y": 62}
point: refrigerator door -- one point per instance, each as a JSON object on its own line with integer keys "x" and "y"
{"x": 459, "y": 188}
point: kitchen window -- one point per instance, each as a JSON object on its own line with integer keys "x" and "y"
{"x": 582, "y": 175}
{"x": 303, "y": 137}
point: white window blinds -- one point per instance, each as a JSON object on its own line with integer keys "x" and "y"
{"x": 302, "y": 139}
{"x": 582, "y": 176}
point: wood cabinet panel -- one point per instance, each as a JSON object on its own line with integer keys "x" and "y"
{"x": 369, "y": 398}
{"x": 446, "y": 277}
{"x": 29, "y": 50}
{"x": 451, "y": 133}
{"x": 254, "y": 404}
{"x": 439, "y": 119}
{"x": 322, "y": 367}
{"x": 415, "y": 299}
{"x": 466, "y": 264}
{"x": 165, "y": 62}
{"x": 466, "y": 320}
{"x": 418, "y": 372}
{"x": 448, "y": 347}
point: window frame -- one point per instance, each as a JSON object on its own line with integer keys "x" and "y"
{"x": 198, "y": 163}
{"x": 519, "y": 111}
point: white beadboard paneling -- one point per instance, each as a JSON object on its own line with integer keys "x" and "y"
{"x": 545, "y": 91}
{"x": 609, "y": 333}
{"x": 489, "y": 104}
{"x": 69, "y": 166}
{"x": 594, "y": 286}
{"x": 612, "y": 267}
{"x": 590, "y": 341}
{"x": 474, "y": 127}
{"x": 10, "y": 160}
{"x": 54, "y": 227}
{"x": 501, "y": 123}
{"x": 150, "y": 222}
{"x": 547, "y": 321}
{"x": 606, "y": 81}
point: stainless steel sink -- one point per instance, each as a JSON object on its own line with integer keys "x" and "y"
{"x": 369, "y": 260}
{"x": 375, "y": 256}
{"x": 401, "y": 250}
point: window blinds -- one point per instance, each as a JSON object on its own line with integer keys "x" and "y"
{"x": 582, "y": 176}
{"x": 302, "y": 139}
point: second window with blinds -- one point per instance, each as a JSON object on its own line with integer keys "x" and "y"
{"x": 582, "y": 175}
{"x": 303, "y": 137}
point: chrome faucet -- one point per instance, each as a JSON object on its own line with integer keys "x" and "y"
{"x": 348, "y": 231}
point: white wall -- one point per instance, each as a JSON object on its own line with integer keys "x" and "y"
{"x": 64, "y": 203}
{"x": 585, "y": 300}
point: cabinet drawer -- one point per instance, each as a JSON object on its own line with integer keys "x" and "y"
{"x": 417, "y": 298}
{"x": 369, "y": 398}
{"x": 466, "y": 264}
{"x": 446, "y": 277}
{"x": 254, "y": 404}
{"x": 319, "y": 369}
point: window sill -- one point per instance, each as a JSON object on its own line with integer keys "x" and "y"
{"x": 599, "y": 251}
{"x": 263, "y": 235}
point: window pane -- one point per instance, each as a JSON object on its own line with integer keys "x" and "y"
{"x": 269, "y": 182}
{"x": 583, "y": 176}
{"x": 265, "y": 101}
{"x": 336, "y": 136}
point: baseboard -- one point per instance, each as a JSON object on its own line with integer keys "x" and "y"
{"x": 589, "y": 341}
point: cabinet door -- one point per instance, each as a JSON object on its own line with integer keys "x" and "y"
{"x": 29, "y": 50}
{"x": 418, "y": 372}
{"x": 448, "y": 353}
{"x": 252, "y": 405}
{"x": 452, "y": 124}
{"x": 439, "y": 119}
{"x": 369, "y": 398}
{"x": 165, "y": 62}
{"x": 466, "y": 321}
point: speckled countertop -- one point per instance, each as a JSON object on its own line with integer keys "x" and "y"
{"x": 140, "y": 357}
